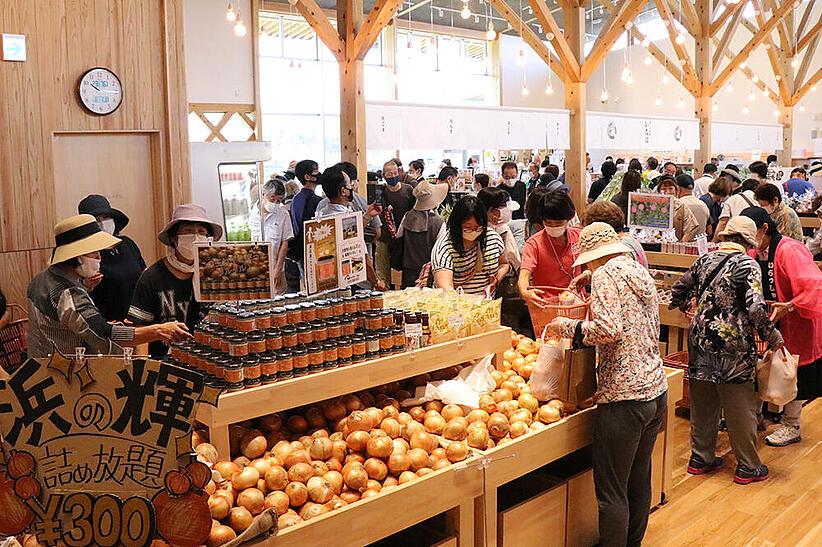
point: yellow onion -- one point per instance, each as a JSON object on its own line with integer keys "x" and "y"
{"x": 319, "y": 490}
{"x": 528, "y": 402}
{"x": 376, "y": 468}
{"x": 358, "y": 440}
{"x": 424, "y": 440}
{"x": 278, "y": 501}
{"x": 297, "y": 493}
{"x": 518, "y": 429}
{"x": 522, "y": 415}
{"x": 548, "y": 414}
{"x": 456, "y": 452}
{"x": 434, "y": 424}
{"x": 247, "y": 478}
{"x": 391, "y": 427}
{"x": 477, "y": 415}
{"x": 240, "y": 518}
{"x": 252, "y": 499}
{"x": 381, "y": 447}
{"x": 300, "y": 472}
{"x": 355, "y": 476}
{"x": 418, "y": 458}
{"x": 498, "y": 425}
{"x": 220, "y": 535}
{"x": 335, "y": 479}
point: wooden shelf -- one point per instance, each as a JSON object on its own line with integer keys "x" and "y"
{"x": 259, "y": 401}
{"x": 673, "y": 318}
{"x": 810, "y": 222}
{"x": 670, "y": 260}
{"x": 451, "y": 490}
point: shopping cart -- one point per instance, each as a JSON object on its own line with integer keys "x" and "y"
{"x": 542, "y": 316}
{"x": 13, "y": 339}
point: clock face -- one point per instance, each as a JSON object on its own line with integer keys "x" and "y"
{"x": 100, "y": 91}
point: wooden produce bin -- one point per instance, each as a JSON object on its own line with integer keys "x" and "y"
{"x": 670, "y": 260}
{"x": 678, "y": 324}
{"x": 451, "y": 490}
{"x": 259, "y": 401}
{"x": 530, "y": 452}
{"x": 539, "y": 521}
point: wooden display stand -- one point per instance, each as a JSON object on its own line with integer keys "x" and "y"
{"x": 670, "y": 260}
{"x": 259, "y": 401}
{"x": 530, "y": 452}
{"x": 678, "y": 324}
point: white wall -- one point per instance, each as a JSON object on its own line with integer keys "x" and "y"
{"x": 640, "y": 97}
{"x": 219, "y": 65}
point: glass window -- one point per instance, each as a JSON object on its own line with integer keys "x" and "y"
{"x": 293, "y": 137}
{"x": 299, "y": 40}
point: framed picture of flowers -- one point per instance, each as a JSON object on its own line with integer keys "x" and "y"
{"x": 650, "y": 211}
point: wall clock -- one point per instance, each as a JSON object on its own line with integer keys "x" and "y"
{"x": 100, "y": 91}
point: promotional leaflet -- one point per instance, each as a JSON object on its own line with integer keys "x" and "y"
{"x": 650, "y": 211}
{"x": 334, "y": 252}
{"x": 233, "y": 271}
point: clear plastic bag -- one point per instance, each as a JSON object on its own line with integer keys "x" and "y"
{"x": 549, "y": 369}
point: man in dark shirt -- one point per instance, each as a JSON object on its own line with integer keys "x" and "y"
{"x": 515, "y": 187}
{"x": 303, "y": 207}
{"x": 397, "y": 200}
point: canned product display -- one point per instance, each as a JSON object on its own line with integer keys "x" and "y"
{"x": 256, "y": 342}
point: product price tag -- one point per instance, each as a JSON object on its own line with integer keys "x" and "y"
{"x": 456, "y": 320}
{"x": 413, "y": 330}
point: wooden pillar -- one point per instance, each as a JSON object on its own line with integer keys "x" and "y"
{"x": 784, "y": 156}
{"x": 705, "y": 73}
{"x": 575, "y": 102}
{"x": 352, "y": 91}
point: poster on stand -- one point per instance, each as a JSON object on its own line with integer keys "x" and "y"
{"x": 334, "y": 252}
{"x": 233, "y": 271}
{"x": 97, "y": 451}
{"x": 650, "y": 211}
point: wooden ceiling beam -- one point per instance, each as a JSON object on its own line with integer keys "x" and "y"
{"x": 777, "y": 58}
{"x": 754, "y": 42}
{"x": 669, "y": 64}
{"x": 730, "y": 30}
{"x": 689, "y": 18}
{"x": 806, "y": 17}
{"x": 549, "y": 25}
{"x": 379, "y": 16}
{"x": 802, "y": 71}
{"x": 319, "y": 23}
{"x": 787, "y": 42}
{"x": 679, "y": 49}
{"x": 772, "y": 95}
{"x": 623, "y": 15}
{"x": 728, "y": 12}
{"x": 530, "y": 37}
{"x": 806, "y": 40}
{"x": 802, "y": 91}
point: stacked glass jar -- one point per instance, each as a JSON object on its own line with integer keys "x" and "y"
{"x": 245, "y": 344}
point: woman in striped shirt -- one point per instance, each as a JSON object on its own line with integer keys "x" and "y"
{"x": 469, "y": 254}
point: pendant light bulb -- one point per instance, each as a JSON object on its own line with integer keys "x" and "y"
{"x": 746, "y": 110}
{"x": 751, "y": 96}
{"x": 680, "y": 38}
{"x": 647, "y": 60}
{"x": 776, "y": 113}
{"x": 521, "y": 57}
{"x": 524, "y": 90}
{"x": 465, "y": 13}
{"x": 230, "y": 14}
{"x": 665, "y": 79}
{"x": 802, "y": 108}
{"x": 645, "y": 42}
{"x": 795, "y": 62}
{"x": 490, "y": 34}
{"x": 715, "y": 107}
{"x": 658, "y": 101}
{"x": 755, "y": 78}
{"x": 549, "y": 89}
{"x": 680, "y": 103}
{"x": 603, "y": 97}
{"x": 239, "y": 27}
{"x": 730, "y": 88}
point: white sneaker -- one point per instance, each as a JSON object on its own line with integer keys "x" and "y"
{"x": 783, "y": 436}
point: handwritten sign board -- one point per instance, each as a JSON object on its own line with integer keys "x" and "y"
{"x": 98, "y": 451}
{"x": 233, "y": 271}
{"x": 334, "y": 252}
{"x": 650, "y": 211}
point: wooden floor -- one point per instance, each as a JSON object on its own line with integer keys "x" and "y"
{"x": 785, "y": 510}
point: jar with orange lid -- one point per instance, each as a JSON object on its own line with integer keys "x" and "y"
{"x": 300, "y": 360}
{"x": 256, "y": 342}
{"x": 285, "y": 365}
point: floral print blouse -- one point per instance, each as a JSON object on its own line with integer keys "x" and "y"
{"x": 624, "y": 325}
{"x": 721, "y": 347}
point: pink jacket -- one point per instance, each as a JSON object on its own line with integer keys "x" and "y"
{"x": 799, "y": 280}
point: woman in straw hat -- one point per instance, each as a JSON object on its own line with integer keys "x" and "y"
{"x": 727, "y": 285}
{"x": 419, "y": 229}
{"x": 62, "y": 316}
{"x": 165, "y": 291}
{"x": 632, "y": 392}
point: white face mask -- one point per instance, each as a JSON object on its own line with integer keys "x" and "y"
{"x": 471, "y": 235}
{"x": 185, "y": 245}
{"x": 556, "y": 231}
{"x": 509, "y": 182}
{"x": 504, "y": 218}
{"x": 270, "y": 206}
{"x": 88, "y": 266}
{"x": 107, "y": 225}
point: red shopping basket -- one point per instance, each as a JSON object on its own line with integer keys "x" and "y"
{"x": 13, "y": 341}
{"x": 542, "y": 316}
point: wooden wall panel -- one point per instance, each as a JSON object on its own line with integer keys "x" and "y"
{"x": 142, "y": 42}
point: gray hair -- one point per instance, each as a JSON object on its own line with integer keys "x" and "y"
{"x": 275, "y": 185}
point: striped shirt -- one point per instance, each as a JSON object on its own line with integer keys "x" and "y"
{"x": 464, "y": 266}
{"x": 62, "y": 316}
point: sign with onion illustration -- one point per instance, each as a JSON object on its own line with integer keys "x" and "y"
{"x": 97, "y": 451}
{"x": 233, "y": 271}
{"x": 650, "y": 211}
{"x": 334, "y": 252}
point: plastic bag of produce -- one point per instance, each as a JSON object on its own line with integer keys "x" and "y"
{"x": 549, "y": 370}
{"x": 465, "y": 389}
{"x": 776, "y": 376}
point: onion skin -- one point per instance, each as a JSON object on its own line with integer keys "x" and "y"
{"x": 278, "y": 501}
{"x": 399, "y": 463}
{"x": 252, "y": 499}
{"x": 220, "y": 535}
{"x": 456, "y": 452}
{"x": 376, "y": 469}
{"x": 319, "y": 490}
{"x": 297, "y": 493}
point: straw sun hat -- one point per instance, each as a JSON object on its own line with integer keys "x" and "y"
{"x": 743, "y": 226}
{"x": 190, "y": 212}
{"x": 597, "y": 240}
{"x": 429, "y": 196}
{"x": 79, "y": 235}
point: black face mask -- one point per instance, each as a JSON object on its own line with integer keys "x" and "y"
{"x": 350, "y": 194}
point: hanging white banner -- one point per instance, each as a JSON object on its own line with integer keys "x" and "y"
{"x": 606, "y": 131}
{"x": 744, "y": 137}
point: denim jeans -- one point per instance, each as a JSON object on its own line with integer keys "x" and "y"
{"x": 624, "y": 436}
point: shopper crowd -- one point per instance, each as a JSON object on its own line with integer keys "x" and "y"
{"x": 518, "y": 237}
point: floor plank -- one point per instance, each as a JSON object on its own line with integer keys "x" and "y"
{"x": 712, "y": 510}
